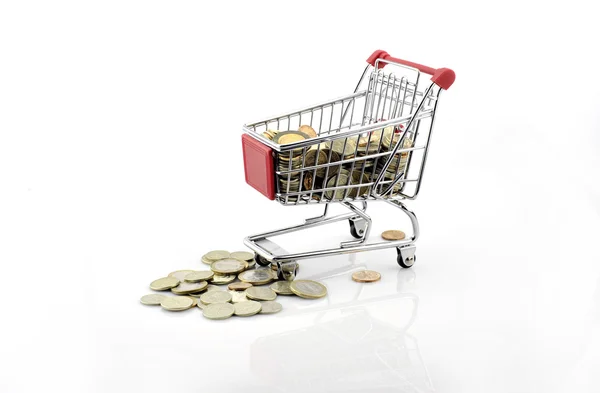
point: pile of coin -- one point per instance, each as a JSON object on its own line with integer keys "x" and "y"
{"x": 247, "y": 293}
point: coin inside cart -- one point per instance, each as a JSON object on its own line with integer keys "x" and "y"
{"x": 284, "y": 138}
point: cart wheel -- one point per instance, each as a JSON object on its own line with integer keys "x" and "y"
{"x": 357, "y": 227}
{"x": 261, "y": 260}
{"x": 287, "y": 270}
{"x": 406, "y": 256}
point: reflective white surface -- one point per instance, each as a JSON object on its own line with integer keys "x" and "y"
{"x": 120, "y": 161}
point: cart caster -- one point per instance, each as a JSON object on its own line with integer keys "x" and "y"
{"x": 358, "y": 226}
{"x": 261, "y": 260}
{"x": 406, "y": 256}
{"x": 287, "y": 270}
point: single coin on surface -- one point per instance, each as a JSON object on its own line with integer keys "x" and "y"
{"x": 186, "y": 288}
{"x": 257, "y": 276}
{"x": 238, "y": 296}
{"x": 258, "y": 293}
{"x": 218, "y": 311}
{"x": 242, "y": 255}
{"x": 221, "y": 279}
{"x": 215, "y": 297}
{"x": 152, "y": 299}
{"x": 239, "y": 286}
{"x": 163, "y": 284}
{"x": 270, "y": 307}
{"x": 216, "y": 255}
{"x": 308, "y": 289}
{"x": 180, "y": 274}
{"x": 282, "y": 288}
{"x": 366, "y": 276}
{"x": 246, "y": 309}
{"x": 228, "y": 266}
{"x": 176, "y": 303}
{"x": 393, "y": 234}
{"x": 200, "y": 275}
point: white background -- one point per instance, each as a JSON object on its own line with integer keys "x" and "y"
{"x": 120, "y": 161}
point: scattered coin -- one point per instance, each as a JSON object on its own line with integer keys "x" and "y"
{"x": 211, "y": 287}
{"x": 194, "y": 301}
{"x": 180, "y": 274}
{"x": 270, "y": 307}
{"x": 176, "y": 303}
{"x": 200, "y": 275}
{"x": 366, "y": 276}
{"x": 163, "y": 284}
{"x": 222, "y": 278}
{"x": 282, "y": 288}
{"x": 215, "y": 297}
{"x": 216, "y": 255}
{"x": 201, "y": 305}
{"x": 393, "y": 234}
{"x": 257, "y": 276}
{"x": 239, "y": 286}
{"x": 238, "y": 296}
{"x": 258, "y": 293}
{"x": 185, "y": 288}
{"x": 246, "y": 309}
{"x": 308, "y": 289}
{"x": 228, "y": 266}
{"x": 152, "y": 299}
{"x": 242, "y": 255}
{"x": 251, "y": 264}
{"x": 207, "y": 261}
{"x": 218, "y": 311}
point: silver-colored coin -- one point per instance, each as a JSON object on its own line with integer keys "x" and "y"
{"x": 216, "y": 255}
{"x": 251, "y": 263}
{"x": 180, "y": 274}
{"x": 176, "y": 303}
{"x": 201, "y": 305}
{"x": 185, "y": 288}
{"x": 242, "y": 255}
{"x": 257, "y": 276}
{"x": 163, "y": 284}
{"x": 221, "y": 279}
{"x": 207, "y": 261}
{"x": 238, "y": 296}
{"x": 154, "y": 299}
{"x": 200, "y": 275}
{"x": 246, "y": 309}
{"x": 194, "y": 301}
{"x": 211, "y": 287}
{"x": 215, "y": 297}
{"x": 282, "y": 288}
{"x": 260, "y": 293}
{"x": 218, "y": 311}
{"x": 308, "y": 289}
{"x": 228, "y": 266}
{"x": 270, "y": 307}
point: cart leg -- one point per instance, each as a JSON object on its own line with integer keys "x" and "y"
{"x": 319, "y": 218}
{"x": 361, "y": 222}
{"x": 287, "y": 270}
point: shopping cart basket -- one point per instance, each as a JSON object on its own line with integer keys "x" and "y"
{"x": 366, "y": 146}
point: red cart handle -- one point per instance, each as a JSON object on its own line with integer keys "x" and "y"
{"x": 443, "y": 77}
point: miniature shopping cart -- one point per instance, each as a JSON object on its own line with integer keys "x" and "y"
{"x": 366, "y": 146}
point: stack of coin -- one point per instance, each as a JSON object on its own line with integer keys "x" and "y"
{"x": 270, "y": 134}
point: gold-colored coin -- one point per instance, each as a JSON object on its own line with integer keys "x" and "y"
{"x": 152, "y": 299}
{"x": 206, "y": 261}
{"x": 211, "y": 287}
{"x": 238, "y": 296}
{"x": 218, "y": 311}
{"x": 180, "y": 274}
{"x": 194, "y": 301}
{"x": 242, "y": 255}
{"x": 163, "y": 284}
{"x": 239, "y": 286}
{"x": 257, "y": 276}
{"x": 201, "y": 305}
{"x": 270, "y": 307}
{"x": 282, "y": 288}
{"x": 308, "y": 130}
{"x": 185, "y": 288}
{"x": 286, "y": 137}
{"x": 246, "y": 309}
{"x": 308, "y": 289}
{"x": 393, "y": 234}
{"x": 221, "y": 279}
{"x": 200, "y": 275}
{"x": 216, "y": 255}
{"x": 228, "y": 266}
{"x": 176, "y": 303}
{"x": 215, "y": 297}
{"x": 258, "y": 293}
{"x": 366, "y": 276}
{"x": 251, "y": 264}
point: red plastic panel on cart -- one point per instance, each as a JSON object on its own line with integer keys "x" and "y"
{"x": 258, "y": 166}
